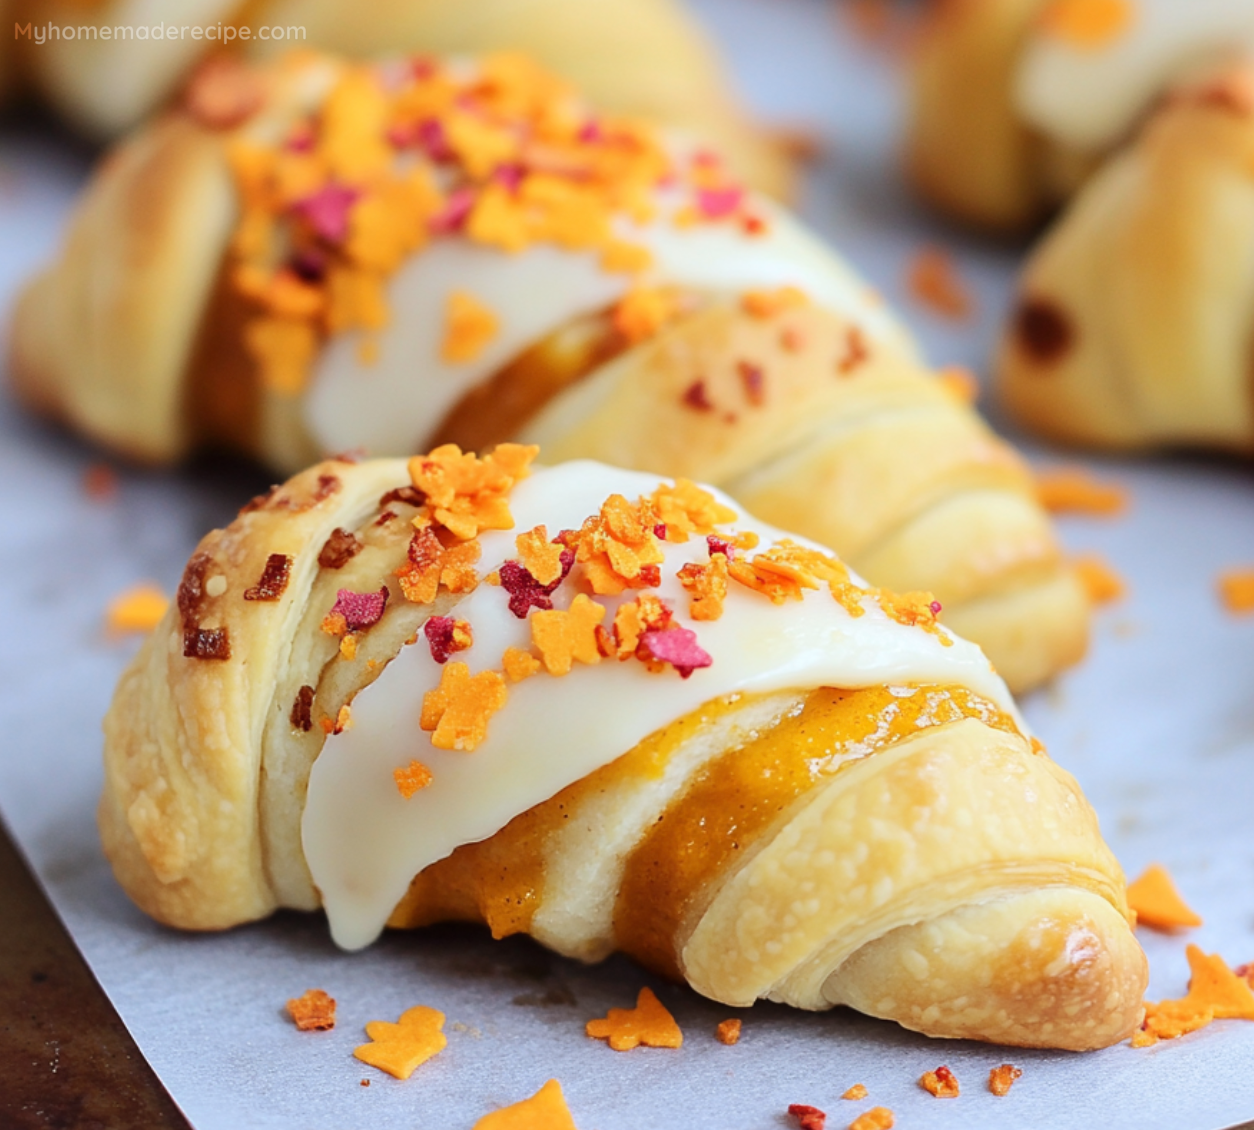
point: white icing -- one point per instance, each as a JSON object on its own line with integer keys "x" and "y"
{"x": 1090, "y": 96}
{"x": 534, "y": 293}
{"x": 364, "y": 842}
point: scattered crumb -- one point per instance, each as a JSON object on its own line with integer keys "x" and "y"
{"x": 1100, "y": 581}
{"x": 1236, "y": 589}
{"x": 314, "y": 1011}
{"x": 401, "y": 1047}
{"x": 138, "y": 609}
{"x": 808, "y": 1117}
{"x": 1215, "y": 993}
{"x": 649, "y": 1023}
{"x": 942, "y": 1083}
{"x": 545, "y": 1110}
{"x": 100, "y": 482}
{"x": 728, "y": 1032}
{"x": 933, "y": 279}
{"x": 1157, "y": 902}
{"x": 1072, "y": 490}
{"x": 1001, "y": 1079}
{"x": 856, "y": 1092}
{"x": 877, "y": 1118}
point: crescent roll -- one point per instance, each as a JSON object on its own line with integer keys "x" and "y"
{"x": 384, "y": 258}
{"x": 1014, "y": 103}
{"x": 614, "y": 713}
{"x": 1135, "y": 322}
{"x": 640, "y": 57}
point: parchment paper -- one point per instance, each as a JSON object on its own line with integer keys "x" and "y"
{"x": 1158, "y": 724}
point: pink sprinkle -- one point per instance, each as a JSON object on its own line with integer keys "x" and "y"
{"x": 716, "y": 203}
{"x": 705, "y": 158}
{"x": 300, "y": 141}
{"x": 936, "y": 607}
{"x": 452, "y": 217}
{"x": 678, "y": 647}
{"x": 509, "y": 175}
{"x": 430, "y": 136}
{"x": 525, "y": 592}
{"x": 424, "y": 68}
{"x": 360, "y": 610}
{"x": 659, "y": 531}
{"x": 439, "y": 633}
{"x": 720, "y": 545}
{"x": 696, "y": 396}
{"x": 327, "y": 210}
{"x": 591, "y": 132}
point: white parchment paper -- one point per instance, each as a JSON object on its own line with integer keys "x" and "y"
{"x": 1158, "y": 724}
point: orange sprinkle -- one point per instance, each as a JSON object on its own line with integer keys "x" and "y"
{"x": 856, "y": 1092}
{"x": 563, "y": 637}
{"x": 1100, "y": 581}
{"x": 1215, "y": 993}
{"x": 728, "y": 1032}
{"x": 934, "y": 280}
{"x": 768, "y": 303}
{"x": 960, "y": 383}
{"x": 412, "y": 778}
{"x": 223, "y": 93}
{"x": 618, "y": 548}
{"x": 877, "y": 1118}
{"x": 1001, "y": 1079}
{"x": 466, "y": 494}
{"x": 942, "y": 1083}
{"x": 401, "y": 1047}
{"x": 138, "y": 609}
{"x": 283, "y": 350}
{"x": 1157, "y": 902}
{"x": 541, "y": 557}
{"x": 706, "y": 585}
{"x": 545, "y": 1110}
{"x": 519, "y": 664}
{"x": 343, "y": 720}
{"x": 686, "y": 508}
{"x": 649, "y": 1023}
{"x": 643, "y": 311}
{"x": 1236, "y": 588}
{"x": 625, "y": 258}
{"x": 1087, "y": 24}
{"x": 313, "y": 1011}
{"x": 348, "y": 646}
{"x": 468, "y": 328}
{"x": 1071, "y": 490}
{"x": 457, "y": 712}
{"x": 100, "y": 482}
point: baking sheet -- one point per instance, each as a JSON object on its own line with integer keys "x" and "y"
{"x": 1158, "y": 724}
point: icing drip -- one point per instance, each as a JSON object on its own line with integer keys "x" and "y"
{"x": 1086, "y": 85}
{"x": 364, "y": 842}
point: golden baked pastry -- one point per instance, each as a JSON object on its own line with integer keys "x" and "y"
{"x": 304, "y": 283}
{"x": 639, "y": 57}
{"x": 1135, "y": 322}
{"x": 1014, "y": 103}
{"x": 613, "y": 713}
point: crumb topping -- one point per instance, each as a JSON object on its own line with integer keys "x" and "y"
{"x": 412, "y": 778}
{"x": 499, "y": 154}
{"x": 1072, "y": 490}
{"x": 728, "y": 1032}
{"x": 934, "y": 280}
{"x": 855, "y": 1093}
{"x": 1236, "y": 590}
{"x": 808, "y": 1117}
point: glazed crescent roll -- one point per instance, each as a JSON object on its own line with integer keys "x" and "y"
{"x": 640, "y": 57}
{"x": 1135, "y": 322}
{"x": 387, "y": 257}
{"x": 1014, "y": 103}
{"x": 614, "y": 713}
